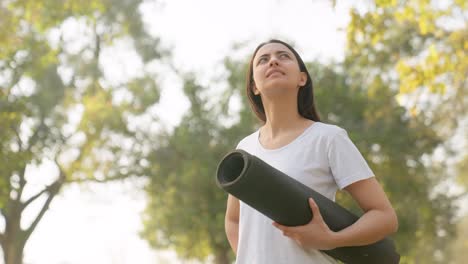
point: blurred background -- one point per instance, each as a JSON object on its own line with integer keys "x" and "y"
{"x": 115, "y": 113}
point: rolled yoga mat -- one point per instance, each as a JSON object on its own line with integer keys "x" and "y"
{"x": 285, "y": 200}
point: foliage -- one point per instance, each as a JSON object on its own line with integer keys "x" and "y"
{"x": 186, "y": 209}
{"x": 416, "y": 51}
{"x": 58, "y": 105}
{"x": 460, "y": 247}
{"x": 394, "y": 145}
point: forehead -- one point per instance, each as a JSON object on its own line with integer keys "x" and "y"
{"x": 271, "y": 48}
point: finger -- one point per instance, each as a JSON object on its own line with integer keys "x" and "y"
{"x": 280, "y": 227}
{"x": 298, "y": 242}
{"x": 289, "y": 231}
{"x": 291, "y": 235}
{"x": 317, "y": 216}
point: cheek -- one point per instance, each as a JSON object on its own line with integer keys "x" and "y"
{"x": 296, "y": 73}
{"x": 257, "y": 76}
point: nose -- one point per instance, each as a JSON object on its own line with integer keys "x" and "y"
{"x": 273, "y": 61}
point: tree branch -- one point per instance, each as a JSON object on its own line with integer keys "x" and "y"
{"x": 120, "y": 176}
{"x": 49, "y": 188}
{"x": 52, "y": 189}
{"x": 33, "y": 198}
{"x": 20, "y": 142}
{"x": 33, "y": 139}
{"x": 44, "y": 208}
{"x": 22, "y": 182}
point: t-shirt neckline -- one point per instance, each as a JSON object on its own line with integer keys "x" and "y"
{"x": 261, "y": 147}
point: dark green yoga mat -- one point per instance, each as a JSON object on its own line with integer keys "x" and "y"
{"x": 284, "y": 200}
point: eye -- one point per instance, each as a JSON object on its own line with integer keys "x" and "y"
{"x": 284, "y": 55}
{"x": 261, "y": 60}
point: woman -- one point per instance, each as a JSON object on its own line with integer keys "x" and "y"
{"x": 293, "y": 140}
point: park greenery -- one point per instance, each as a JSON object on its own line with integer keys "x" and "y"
{"x": 401, "y": 93}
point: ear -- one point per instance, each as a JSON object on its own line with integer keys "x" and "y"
{"x": 254, "y": 89}
{"x": 302, "y": 79}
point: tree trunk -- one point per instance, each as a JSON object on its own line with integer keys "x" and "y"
{"x": 13, "y": 240}
{"x": 12, "y": 253}
{"x": 222, "y": 257}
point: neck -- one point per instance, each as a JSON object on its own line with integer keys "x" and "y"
{"x": 281, "y": 115}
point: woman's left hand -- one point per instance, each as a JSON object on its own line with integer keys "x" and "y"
{"x": 316, "y": 234}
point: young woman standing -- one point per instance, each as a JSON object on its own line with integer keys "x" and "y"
{"x": 321, "y": 156}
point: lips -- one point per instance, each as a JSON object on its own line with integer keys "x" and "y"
{"x": 270, "y": 72}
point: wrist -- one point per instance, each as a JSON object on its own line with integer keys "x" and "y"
{"x": 336, "y": 240}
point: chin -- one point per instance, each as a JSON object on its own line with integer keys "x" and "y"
{"x": 278, "y": 84}
{"x": 277, "y": 90}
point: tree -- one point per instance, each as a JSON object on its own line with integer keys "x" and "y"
{"x": 417, "y": 49}
{"x": 58, "y": 105}
{"x": 394, "y": 145}
{"x": 419, "y": 45}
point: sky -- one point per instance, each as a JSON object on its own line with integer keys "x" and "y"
{"x": 99, "y": 224}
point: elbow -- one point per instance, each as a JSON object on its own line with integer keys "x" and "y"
{"x": 393, "y": 222}
{"x": 389, "y": 222}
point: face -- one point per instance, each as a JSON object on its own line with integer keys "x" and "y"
{"x": 275, "y": 66}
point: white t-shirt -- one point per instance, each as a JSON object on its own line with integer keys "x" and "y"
{"x": 323, "y": 158}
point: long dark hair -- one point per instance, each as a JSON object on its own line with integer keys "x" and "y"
{"x": 305, "y": 96}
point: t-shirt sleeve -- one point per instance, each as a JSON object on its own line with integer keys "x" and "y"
{"x": 239, "y": 145}
{"x": 346, "y": 162}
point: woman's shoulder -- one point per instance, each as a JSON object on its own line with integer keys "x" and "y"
{"x": 325, "y": 136}
{"x": 328, "y": 130}
{"x": 248, "y": 140}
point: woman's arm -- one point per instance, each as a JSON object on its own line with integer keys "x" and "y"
{"x": 231, "y": 222}
{"x": 378, "y": 221}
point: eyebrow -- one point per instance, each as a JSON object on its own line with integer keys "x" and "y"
{"x": 277, "y": 52}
